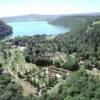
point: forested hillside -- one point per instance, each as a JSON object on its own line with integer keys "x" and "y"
{"x": 45, "y": 67}
{"x": 85, "y": 41}
{"x": 5, "y": 29}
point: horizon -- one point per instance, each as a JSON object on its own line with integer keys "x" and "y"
{"x": 76, "y": 14}
{"x": 48, "y": 7}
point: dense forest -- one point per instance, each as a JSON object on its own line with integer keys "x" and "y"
{"x": 62, "y": 67}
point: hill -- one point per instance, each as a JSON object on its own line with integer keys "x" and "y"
{"x": 30, "y": 17}
{"x": 5, "y": 29}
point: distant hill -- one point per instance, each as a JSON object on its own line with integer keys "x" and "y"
{"x": 69, "y": 21}
{"x": 30, "y": 17}
{"x": 85, "y": 14}
{"x": 75, "y": 21}
{"x": 5, "y": 29}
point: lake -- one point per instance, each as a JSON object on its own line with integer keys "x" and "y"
{"x": 30, "y": 28}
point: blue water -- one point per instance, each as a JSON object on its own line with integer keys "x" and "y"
{"x": 36, "y": 27}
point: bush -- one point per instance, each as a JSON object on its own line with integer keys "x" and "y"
{"x": 58, "y": 63}
{"x": 71, "y": 63}
{"x": 0, "y": 65}
{"x": 88, "y": 64}
{"x": 43, "y": 62}
{"x": 98, "y": 64}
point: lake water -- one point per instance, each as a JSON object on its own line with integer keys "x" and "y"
{"x": 36, "y": 27}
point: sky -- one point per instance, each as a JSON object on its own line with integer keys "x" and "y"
{"x": 23, "y": 7}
